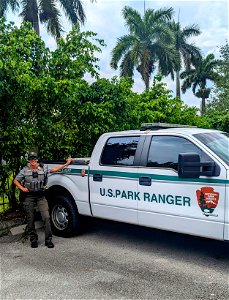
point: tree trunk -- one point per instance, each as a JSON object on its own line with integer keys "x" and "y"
{"x": 203, "y": 107}
{"x": 177, "y": 84}
{"x": 32, "y": 15}
{"x": 36, "y": 24}
{"x": 146, "y": 81}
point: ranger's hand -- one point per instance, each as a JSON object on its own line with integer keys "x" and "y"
{"x": 69, "y": 160}
{"x": 24, "y": 190}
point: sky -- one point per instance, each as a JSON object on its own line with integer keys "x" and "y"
{"x": 104, "y": 17}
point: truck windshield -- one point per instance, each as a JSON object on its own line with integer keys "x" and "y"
{"x": 218, "y": 142}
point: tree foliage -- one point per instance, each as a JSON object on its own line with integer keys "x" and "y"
{"x": 38, "y": 91}
{"x": 220, "y": 99}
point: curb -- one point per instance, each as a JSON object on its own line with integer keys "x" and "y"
{"x": 5, "y": 226}
{"x": 16, "y": 226}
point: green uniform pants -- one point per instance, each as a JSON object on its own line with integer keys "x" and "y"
{"x": 32, "y": 200}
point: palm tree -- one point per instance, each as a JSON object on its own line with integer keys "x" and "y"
{"x": 149, "y": 42}
{"x": 45, "y": 12}
{"x": 187, "y": 52}
{"x": 205, "y": 69}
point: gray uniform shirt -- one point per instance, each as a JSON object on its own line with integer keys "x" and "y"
{"x": 33, "y": 180}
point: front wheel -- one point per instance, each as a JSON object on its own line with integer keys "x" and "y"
{"x": 64, "y": 215}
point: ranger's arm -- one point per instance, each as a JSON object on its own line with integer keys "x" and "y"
{"x": 55, "y": 169}
{"x": 17, "y": 181}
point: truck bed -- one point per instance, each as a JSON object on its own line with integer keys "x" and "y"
{"x": 76, "y": 161}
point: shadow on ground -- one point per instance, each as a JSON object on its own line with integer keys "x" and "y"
{"x": 164, "y": 240}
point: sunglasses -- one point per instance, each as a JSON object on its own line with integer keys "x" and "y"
{"x": 32, "y": 158}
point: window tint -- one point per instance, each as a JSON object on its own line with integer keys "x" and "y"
{"x": 164, "y": 151}
{"x": 120, "y": 151}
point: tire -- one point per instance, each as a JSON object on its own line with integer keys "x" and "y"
{"x": 65, "y": 219}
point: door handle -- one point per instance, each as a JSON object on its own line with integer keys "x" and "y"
{"x": 144, "y": 180}
{"x": 97, "y": 177}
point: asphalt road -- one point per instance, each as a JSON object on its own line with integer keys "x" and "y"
{"x": 115, "y": 261}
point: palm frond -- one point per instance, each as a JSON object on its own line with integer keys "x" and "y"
{"x": 190, "y": 53}
{"x": 194, "y": 86}
{"x": 161, "y": 32}
{"x": 73, "y": 10}
{"x": 186, "y": 50}
{"x": 29, "y": 10}
{"x": 163, "y": 14}
{"x": 133, "y": 20}
{"x": 127, "y": 66}
{"x": 50, "y": 15}
{"x": 213, "y": 76}
{"x": 54, "y": 26}
{"x": 210, "y": 62}
{"x": 123, "y": 45}
{"x": 6, "y": 4}
{"x": 137, "y": 52}
{"x": 186, "y": 85}
{"x": 168, "y": 59}
{"x": 192, "y": 30}
{"x": 187, "y": 73}
{"x": 146, "y": 67}
{"x": 175, "y": 26}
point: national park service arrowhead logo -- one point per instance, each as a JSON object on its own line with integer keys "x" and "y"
{"x": 207, "y": 199}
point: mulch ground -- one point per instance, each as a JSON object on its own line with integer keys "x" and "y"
{"x": 7, "y": 216}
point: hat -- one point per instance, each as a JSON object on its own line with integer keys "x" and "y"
{"x": 32, "y": 155}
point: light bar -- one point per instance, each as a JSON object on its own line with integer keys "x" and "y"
{"x": 157, "y": 126}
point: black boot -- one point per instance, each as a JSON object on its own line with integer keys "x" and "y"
{"x": 34, "y": 244}
{"x": 49, "y": 244}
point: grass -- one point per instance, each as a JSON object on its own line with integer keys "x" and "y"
{"x": 4, "y": 203}
{"x": 4, "y": 208}
{"x": 4, "y": 200}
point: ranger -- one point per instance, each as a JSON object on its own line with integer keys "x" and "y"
{"x": 32, "y": 180}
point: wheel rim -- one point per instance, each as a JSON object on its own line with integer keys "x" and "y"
{"x": 60, "y": 217}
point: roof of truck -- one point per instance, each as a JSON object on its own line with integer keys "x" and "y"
{"x": 185, "y": 131}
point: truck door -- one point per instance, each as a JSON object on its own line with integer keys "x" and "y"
{"x": 192, "y": 206}
{"x": 113, "y": 179}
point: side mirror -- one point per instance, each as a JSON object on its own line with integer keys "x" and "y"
{"x": 190, "y": 166}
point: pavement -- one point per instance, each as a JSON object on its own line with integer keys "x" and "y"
{"x": 111, "y": 260}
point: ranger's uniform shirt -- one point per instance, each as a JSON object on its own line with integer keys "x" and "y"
{"x": 33, "y": 180}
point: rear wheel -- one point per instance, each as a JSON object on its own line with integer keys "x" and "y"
{"x": 64, "y": 215}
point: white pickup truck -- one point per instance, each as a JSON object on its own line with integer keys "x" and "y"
{"x": 170, "y": 177}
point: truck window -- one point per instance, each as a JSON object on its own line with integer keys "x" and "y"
{"x": 119, "y": 151}
{"x": 218, "y": 142}
{"x": 164, "y": 151}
